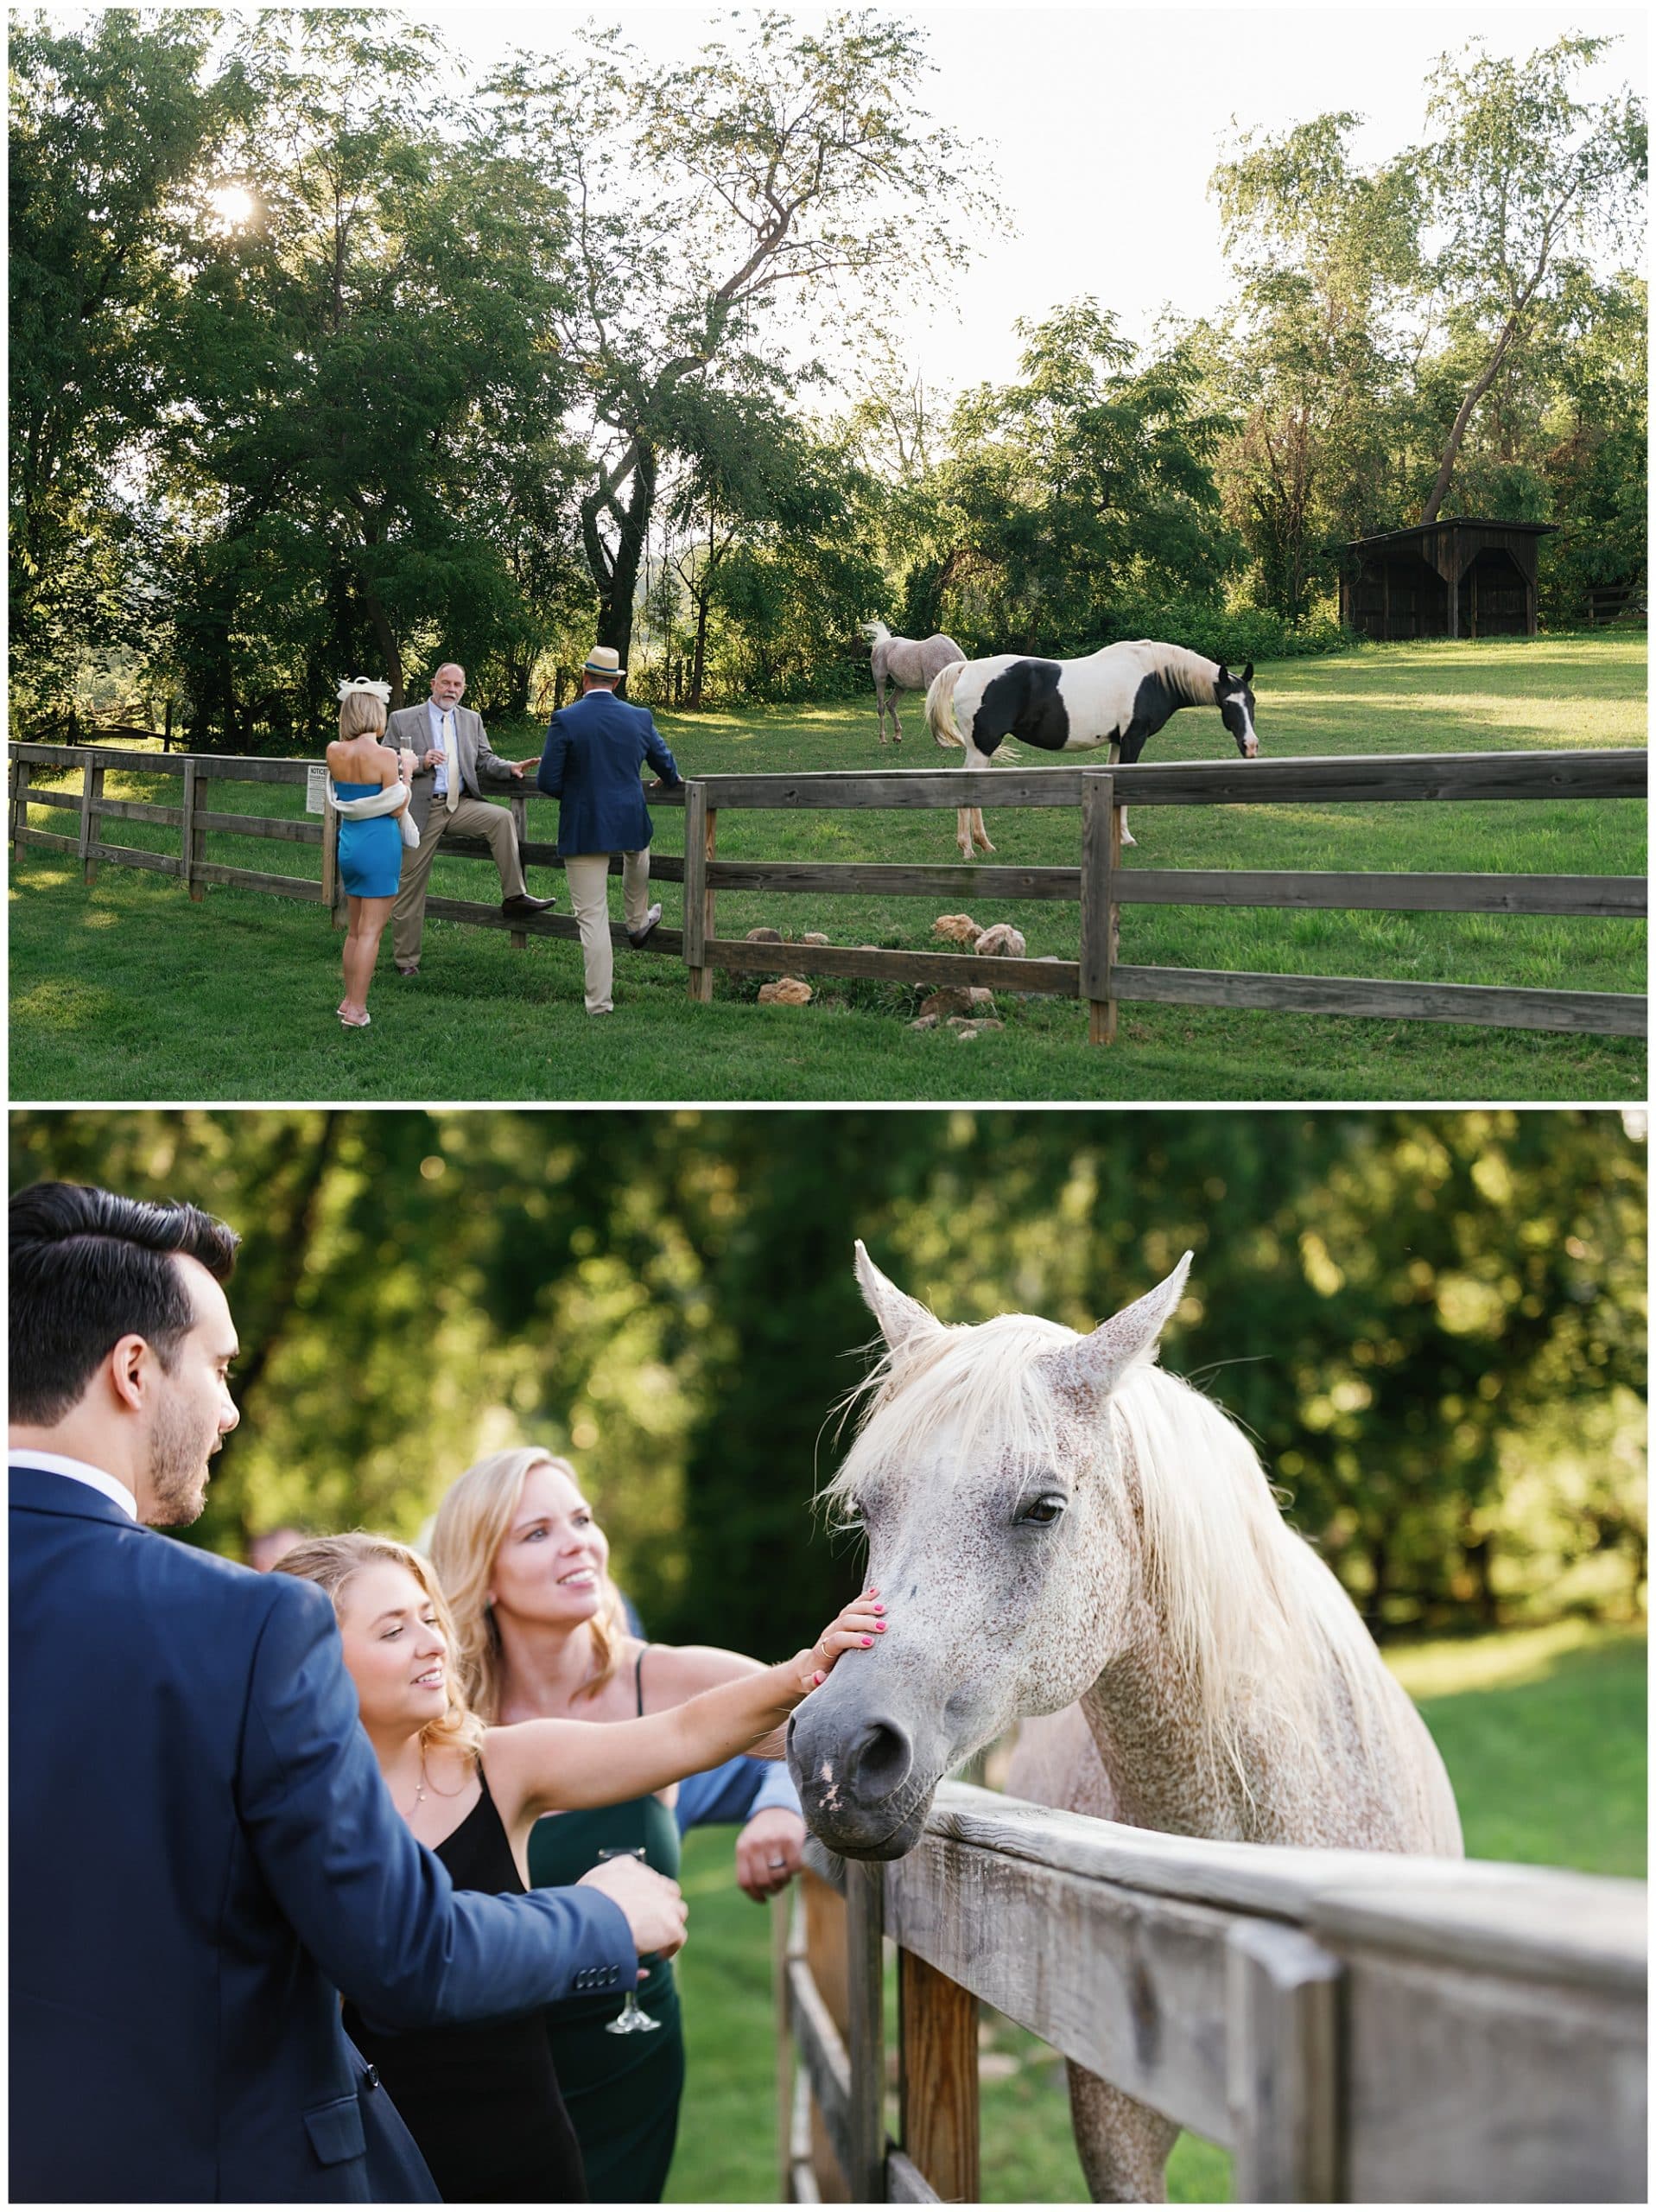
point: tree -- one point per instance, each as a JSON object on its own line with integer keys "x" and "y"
{"x": 336, "y": 361}
{"x": 705, "y": 199}
{"x": 1526, "y": 183}
{"x": 1087, "y": 481}
{"x": 1318, "y": 353}
{"x": 111, "y": 130}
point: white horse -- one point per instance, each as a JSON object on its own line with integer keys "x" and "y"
{"x": 1054, "y": 1520}
{"x": 905, "y": 664}
{"x": 1119, "y": 696}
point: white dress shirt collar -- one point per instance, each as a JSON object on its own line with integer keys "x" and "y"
{"x": 78, "y": 1470}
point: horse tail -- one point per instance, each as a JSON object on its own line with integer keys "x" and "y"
{"x": 940, "y": 705}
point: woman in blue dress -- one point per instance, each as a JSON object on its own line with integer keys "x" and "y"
{"x": 370, "y": 850}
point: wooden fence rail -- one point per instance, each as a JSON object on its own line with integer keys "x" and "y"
{"x": 1098, "y": 885}
{"x": 1355, "y": 2027}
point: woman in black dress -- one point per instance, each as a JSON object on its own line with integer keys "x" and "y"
{"x": 483, "y": 2103}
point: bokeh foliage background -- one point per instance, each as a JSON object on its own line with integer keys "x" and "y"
{"x": 1432, "y": 1323}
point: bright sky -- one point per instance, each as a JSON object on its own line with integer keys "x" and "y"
{"x": 1104, "y": 124}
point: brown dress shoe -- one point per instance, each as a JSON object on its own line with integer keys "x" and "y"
{"x": 521, "y": 903}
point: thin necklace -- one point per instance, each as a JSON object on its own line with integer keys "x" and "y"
{"x": 422, "y": 1786}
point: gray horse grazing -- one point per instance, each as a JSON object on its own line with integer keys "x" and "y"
{"x": 905, "y": 664}
{"x": 1072, "y": 1532}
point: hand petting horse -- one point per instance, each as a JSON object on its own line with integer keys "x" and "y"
{"x": 1063, "y": 1522}
{"x": 1119, "y": 696}
{"x": 905, "y": 664}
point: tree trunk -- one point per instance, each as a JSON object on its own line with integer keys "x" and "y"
{"x": 1469, "y": 405}
{"x": 385, "y": 638}
{"x": 698, "y": 666}
{"x": 616, "y": 574}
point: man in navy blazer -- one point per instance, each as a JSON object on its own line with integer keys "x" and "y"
{"x": 203, "y": 1853}
{"x": 594, "y": 749}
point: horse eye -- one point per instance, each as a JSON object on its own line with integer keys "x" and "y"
{"x": 1042, "y": 1512}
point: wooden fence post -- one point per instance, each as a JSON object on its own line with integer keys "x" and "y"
{"x": 195, "y": 784}
{"x": 937, "y": 2092}
{"x": 19, "y": 828}
{"x": 786, "y": 1912}
{"x": 825, "y": 1958}
{"x": 1100, "y": 855}
{"x": 92, "y": 790}
{"x": 864, "y": 1921}
{"x": 1282, "y": 2073}
{"x": 701, "y": 832}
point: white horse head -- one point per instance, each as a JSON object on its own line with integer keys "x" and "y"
{"x": 1050, "y": 1519}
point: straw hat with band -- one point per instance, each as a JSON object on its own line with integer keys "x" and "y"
{"x": 604, "y": 660}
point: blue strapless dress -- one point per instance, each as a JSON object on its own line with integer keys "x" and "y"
{"x": 371, "y": 853}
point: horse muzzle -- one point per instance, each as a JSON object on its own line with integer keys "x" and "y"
{"x": 856, "y": 1774}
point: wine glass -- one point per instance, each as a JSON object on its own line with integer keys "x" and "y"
{"x": 631, "y": 2019}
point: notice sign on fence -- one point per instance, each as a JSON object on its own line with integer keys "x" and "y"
{"x": 316, "y": 790}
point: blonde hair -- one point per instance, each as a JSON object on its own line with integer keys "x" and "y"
{"x": 360, "y": 711}
{"x": 334, "y": 1562}
{"x": 469, "y": 1530}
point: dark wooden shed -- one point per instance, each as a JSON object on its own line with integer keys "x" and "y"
{"x": 1460, "y": 577}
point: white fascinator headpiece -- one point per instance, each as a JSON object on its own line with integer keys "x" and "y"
{"x": 381, "y": 692}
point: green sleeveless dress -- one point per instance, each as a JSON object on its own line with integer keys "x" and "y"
{"x": 622, "y": 2092}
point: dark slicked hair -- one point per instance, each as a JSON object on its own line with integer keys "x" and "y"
{"x": 89, "y": 1268}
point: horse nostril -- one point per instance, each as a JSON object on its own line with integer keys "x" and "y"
{"x": 880, "y": 1760}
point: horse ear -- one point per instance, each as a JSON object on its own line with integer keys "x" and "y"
{"x": 1248, "y": 673}
{"x": 900, "y": 1317}
{"x": 1100, "y": 1361}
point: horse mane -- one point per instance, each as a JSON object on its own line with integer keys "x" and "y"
{"x": 1191, "y": 675}
{"x": 1257, "y": 1626}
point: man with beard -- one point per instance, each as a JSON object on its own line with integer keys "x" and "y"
{"x": 203, "y": 1853}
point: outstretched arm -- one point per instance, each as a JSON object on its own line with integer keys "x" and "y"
{"x": 543, "y": 1766}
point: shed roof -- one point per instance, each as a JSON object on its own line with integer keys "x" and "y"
{"x": 1449, "y": 522}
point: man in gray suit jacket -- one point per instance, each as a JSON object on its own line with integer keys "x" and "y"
{"x": 453, "y": 761}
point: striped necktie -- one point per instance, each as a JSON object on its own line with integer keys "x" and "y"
{"x": 451, "y": 754}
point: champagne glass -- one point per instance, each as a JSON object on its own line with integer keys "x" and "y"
{"x": 631, "y": 2019}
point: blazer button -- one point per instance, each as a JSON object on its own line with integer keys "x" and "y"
{"x": 370, "y": 2079}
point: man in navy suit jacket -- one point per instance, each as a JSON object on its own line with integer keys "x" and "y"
{"x": 203, "y": 1853}
{"x": 594, "y": 749}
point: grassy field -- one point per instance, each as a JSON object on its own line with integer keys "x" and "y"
{"x": 1543, "y": 1733}
{"x": 130, "y": 991}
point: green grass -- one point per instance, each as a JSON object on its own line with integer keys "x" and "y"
{"x": 1543, "y": 1734}
{"x": 130, "y": 991}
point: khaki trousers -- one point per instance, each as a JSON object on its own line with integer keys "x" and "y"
{"x": 588, "y": 875}
{"x": 471, "y": 818}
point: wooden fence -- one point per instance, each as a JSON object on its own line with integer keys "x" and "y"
{"x": 1355, "y": 2027}
{"x": 194, "y": 819}
{"x": 1102, "y": 887}
{"x": 1098, "y": 883}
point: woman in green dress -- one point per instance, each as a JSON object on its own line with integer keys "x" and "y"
{"x": 542, "y": 1634}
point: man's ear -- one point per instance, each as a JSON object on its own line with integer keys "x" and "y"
{"x": 127, "y": 1367}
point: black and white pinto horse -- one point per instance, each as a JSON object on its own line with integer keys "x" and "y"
{"x": 905, "y": 664}
{"x": 1119, "y": 696}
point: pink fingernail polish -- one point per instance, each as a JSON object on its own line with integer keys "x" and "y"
{"x": 867, "y": 1641}
{"x": 879, "y": 1628}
